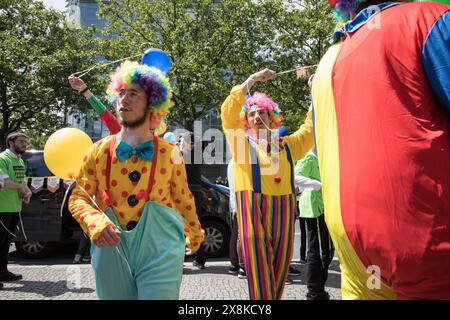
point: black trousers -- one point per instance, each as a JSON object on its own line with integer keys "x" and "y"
{"x": 319, "y": 256}
{"x": 84, "y": 246}
{"x": 235, "y": 245}
{"x": 302, "y": 239}
{"x": 10, "y": 221}
{"x": 200, "y": 255}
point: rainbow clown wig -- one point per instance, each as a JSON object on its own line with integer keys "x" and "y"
{"x": 151, "y": 80}
{"x": 262, "y": 101}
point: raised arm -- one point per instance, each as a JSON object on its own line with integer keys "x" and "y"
{"x": 105, "y": 115}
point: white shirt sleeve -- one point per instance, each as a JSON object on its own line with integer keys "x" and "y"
{"x": 3, "y": 177}
{"x": 231, "y": 186}
{"x": 304, "y": 183}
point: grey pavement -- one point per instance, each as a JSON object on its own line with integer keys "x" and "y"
{"x": 56, "y": 278}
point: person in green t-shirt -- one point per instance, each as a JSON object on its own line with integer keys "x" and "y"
{"x": 14, "y": 191}
{"x": 320, "y": 248}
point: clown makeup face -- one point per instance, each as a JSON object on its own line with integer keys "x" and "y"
{"x": 132, "y": 106}
{"x": 257, "y": 118}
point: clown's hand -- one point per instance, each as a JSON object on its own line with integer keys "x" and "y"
{"x": 109, "y": 237}
{"x": 264, "y": 75}
{"x": 76, "y": 83}
{"x": 189, "y": 252}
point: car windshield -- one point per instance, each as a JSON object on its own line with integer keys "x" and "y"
{"x": 35, "y": 165}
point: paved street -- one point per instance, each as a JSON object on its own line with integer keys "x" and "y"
{"x": 56, "y": 278}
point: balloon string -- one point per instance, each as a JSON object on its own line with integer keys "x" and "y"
{"x": 64, "y": 200}
{"x": 298, "y": 68}
{"x": 1, "y": 222}
{"x": 21, "y": 223}
{"x": 86, "y": 71}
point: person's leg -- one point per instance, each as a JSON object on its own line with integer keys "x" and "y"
{"x": 113, "y": 279}
{"x": 114, "y": 268}
{"x": 256, "y": 249}
{"x": 158, "y": 250}
{"x": 241, "y": 273}
{"x": 4, "y": 241}
{"x": 9, "y": 221}
{"x": 200, "y": 256}
{"x": 326, "y": 247}
{"x": 281, "y": 225}
{"x": 302, "y": 239}
{"x": 83, "y": 244}
{"x": 234, "y": 258}
{"x": 314, "y": 270}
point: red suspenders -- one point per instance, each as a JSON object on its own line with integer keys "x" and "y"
{"x": 151, "y": 182}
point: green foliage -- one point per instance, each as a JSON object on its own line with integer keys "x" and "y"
{"x": 214, "y": 45}
{"x": 39, "y": 50}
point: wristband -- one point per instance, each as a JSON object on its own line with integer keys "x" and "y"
{"x": 84, "y": 90}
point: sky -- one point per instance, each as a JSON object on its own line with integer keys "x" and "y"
{"x": 58, "y": 5}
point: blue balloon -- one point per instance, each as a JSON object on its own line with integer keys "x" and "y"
{"x": 283, "y": 131}
{"x": 157, "y": 58}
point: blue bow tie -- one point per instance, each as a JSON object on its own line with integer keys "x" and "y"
{"x": 144, "y": 151}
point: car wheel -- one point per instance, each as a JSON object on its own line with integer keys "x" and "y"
{"x": 217, "y": 238}
{"x": 35, "y": 249}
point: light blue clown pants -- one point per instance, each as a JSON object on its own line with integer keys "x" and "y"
{"x": 154, "y": 250}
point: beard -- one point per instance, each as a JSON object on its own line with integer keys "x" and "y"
{"x": 136, "y": 122}
{"x": 20, "y": 151}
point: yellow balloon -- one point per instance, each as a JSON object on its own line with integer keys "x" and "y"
{"x": 64, "y": 152}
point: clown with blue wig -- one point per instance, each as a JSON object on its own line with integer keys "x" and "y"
{"x": 143, "y": 216}
{"x": 381, "y": 97}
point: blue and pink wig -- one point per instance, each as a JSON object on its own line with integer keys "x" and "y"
{"x": 262, "y": 101}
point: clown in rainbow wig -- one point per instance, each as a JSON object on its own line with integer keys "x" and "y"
{"x": 263, "y": 171}
{"x": 143, "y": 207}
{"x": 381, "y": 98}
{"x": 108, "y": 119}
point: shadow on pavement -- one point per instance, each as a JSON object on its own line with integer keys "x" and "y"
{"x": 45, "y": 288}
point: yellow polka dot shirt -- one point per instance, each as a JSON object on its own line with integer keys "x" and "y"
{"x": 171, "y": 189}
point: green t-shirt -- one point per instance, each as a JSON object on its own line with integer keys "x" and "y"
{"x": 14, "y": 168}
{"x": 310, "y": 203}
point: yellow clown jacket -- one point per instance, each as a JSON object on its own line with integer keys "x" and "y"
{"x": 170, "y": 189}
{"x": 275, "y": 167}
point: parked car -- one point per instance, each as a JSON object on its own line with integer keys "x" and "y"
{"x": 47, "y": 221}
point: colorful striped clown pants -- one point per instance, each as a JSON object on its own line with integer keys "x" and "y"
{"x": 266, "y": 231}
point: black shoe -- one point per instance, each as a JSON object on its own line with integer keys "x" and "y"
{"x": 289, "y": 281}
{"x": 198, "y": 265}
{"x": 86, "y": 259}
{"x": 233, "y": 270}
{"x": 9, "y": 276}
{"x": 318, "y": 296}
{"x": 1, "y": 285}
{"x": 293, "y": 272}
{"x": 242, "y": 274}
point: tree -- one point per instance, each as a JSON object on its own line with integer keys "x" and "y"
{"x": 216, "y": 44}
{"x": 304, "y": 29}
{"x": 39, "y": 51}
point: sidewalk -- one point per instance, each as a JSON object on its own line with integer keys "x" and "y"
{"x": 76, "y": 282}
